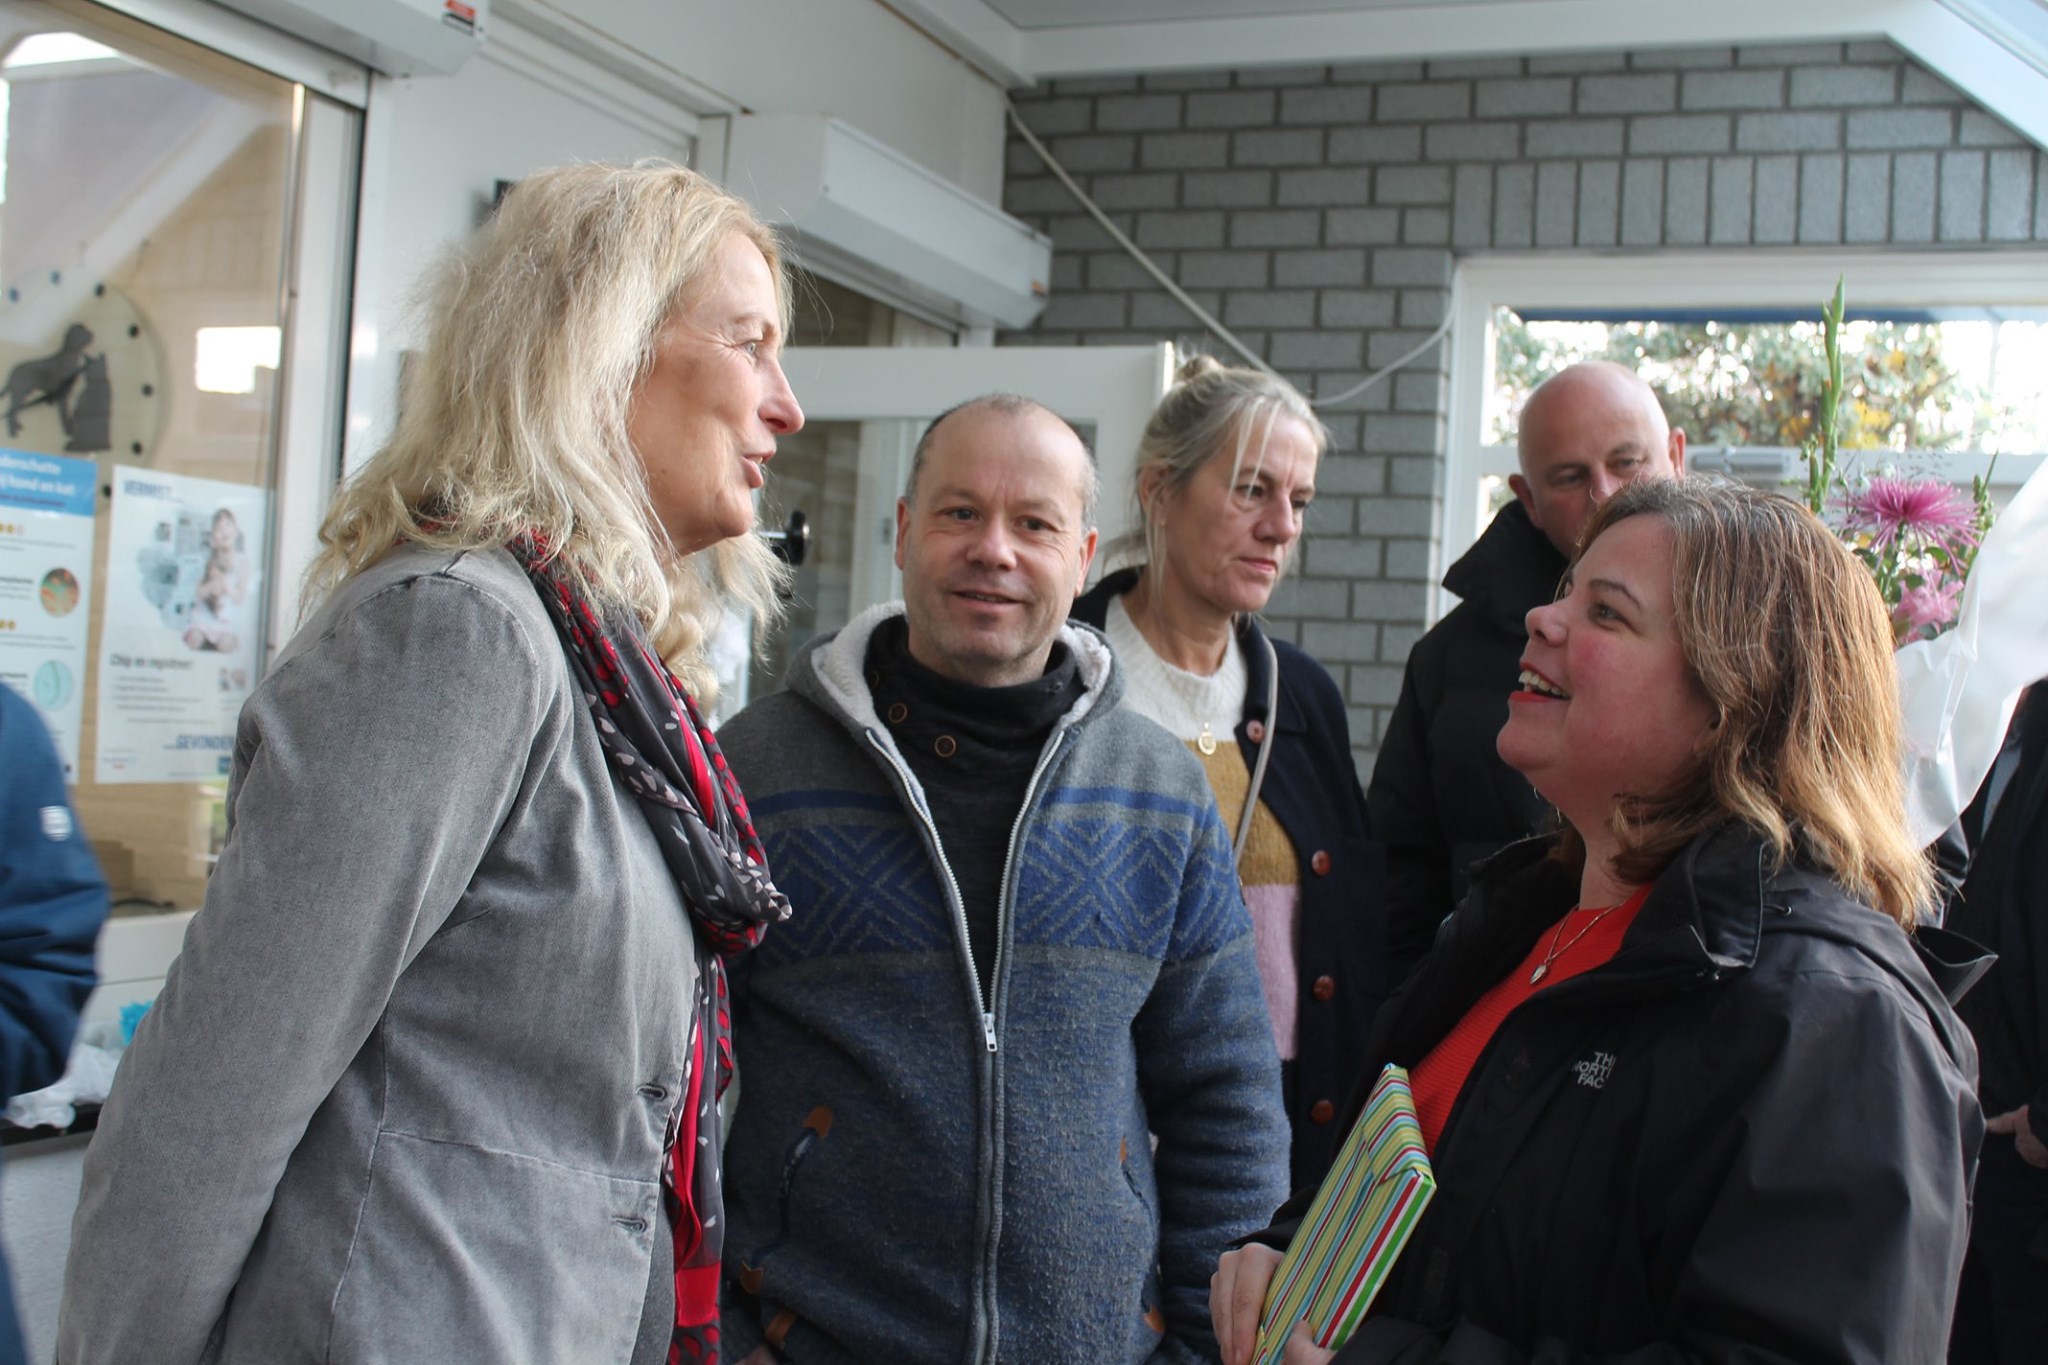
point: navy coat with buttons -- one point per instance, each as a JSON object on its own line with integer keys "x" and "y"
{"x": 1312, "y": 789}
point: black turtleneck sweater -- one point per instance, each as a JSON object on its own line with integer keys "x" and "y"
{"x": 972, "y": 750}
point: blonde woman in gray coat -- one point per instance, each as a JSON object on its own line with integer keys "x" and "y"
{"x": 435, "y": 1075}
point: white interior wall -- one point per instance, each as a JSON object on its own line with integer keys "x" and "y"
{"x": 539, "y": 93}
{"x": 853, "y": 59}
{"x": 434, "y": 149}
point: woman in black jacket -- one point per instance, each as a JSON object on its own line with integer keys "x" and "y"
{"x": 1226, "y": 470}
{"x": 1690, "y": 1093}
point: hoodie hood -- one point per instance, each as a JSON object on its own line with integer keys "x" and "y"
{"x": 1717, "y": 902}
{"x": 830, "y": 672}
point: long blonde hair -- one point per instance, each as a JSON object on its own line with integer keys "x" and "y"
{"x": 1788, "y": 638}
{"x": 514, "y": 421}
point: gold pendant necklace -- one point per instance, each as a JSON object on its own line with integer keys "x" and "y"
{"x": 1193, "y": 689}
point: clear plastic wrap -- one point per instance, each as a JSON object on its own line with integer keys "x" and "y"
{"x": 1958, "y": 689}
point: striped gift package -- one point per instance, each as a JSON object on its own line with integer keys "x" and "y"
{"x": 1362, "y": 1216}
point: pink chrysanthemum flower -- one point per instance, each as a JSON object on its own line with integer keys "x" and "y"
{"x": 1890, "y": 508}
{"x": 1933, "y": 605}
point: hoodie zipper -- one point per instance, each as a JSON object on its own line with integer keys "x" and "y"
{"x": 982, "y": 1005}
{"x": 985, "y": 1348}
{"x": 910, "y": 786}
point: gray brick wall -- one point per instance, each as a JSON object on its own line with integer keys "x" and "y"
{"x": 1321, "y": 211}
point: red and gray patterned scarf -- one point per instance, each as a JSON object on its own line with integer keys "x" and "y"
{"x": 665, "y": 754}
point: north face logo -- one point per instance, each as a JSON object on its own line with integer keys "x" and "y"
{"x": 1592, "y": 1073}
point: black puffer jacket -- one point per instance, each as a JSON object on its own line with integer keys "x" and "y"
{"x": 1340, "y": 950}
{"x": 1441, "y": 799}
{"x": 1748, "y": 1137}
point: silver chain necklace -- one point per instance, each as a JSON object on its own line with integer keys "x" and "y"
{"x": 1543, "y": 967}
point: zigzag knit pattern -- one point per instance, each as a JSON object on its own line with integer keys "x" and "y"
{"x": 868, "y": 886}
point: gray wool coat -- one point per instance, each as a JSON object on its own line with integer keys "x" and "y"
{"x": 404, "y": 1093}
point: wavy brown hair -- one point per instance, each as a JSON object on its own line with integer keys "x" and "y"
{"x": 540, "y": 329}
{"x": 1787, "y": 637}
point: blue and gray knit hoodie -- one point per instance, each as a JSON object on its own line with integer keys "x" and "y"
{"x": 916, "y": 1174}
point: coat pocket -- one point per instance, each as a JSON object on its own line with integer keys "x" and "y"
{"x": 810, "y": 1137}
{"x": 1138, "y": 1178}
{"x": 464, "y": 1253}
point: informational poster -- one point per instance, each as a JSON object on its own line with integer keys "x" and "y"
{"x": 46, "y": 507}
{"x": 184, "y": 611}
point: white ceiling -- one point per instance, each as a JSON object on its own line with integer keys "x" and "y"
{"x": 1035, "y": 14}
{"x": 1995, "y": 50}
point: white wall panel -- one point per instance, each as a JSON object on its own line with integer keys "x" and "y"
{"x": 852, "y": 59}
{"x": 434, "y": 150}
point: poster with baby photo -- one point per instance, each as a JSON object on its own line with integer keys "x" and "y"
{"x": 179, "y": 650}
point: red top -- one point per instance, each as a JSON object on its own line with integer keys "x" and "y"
{"x": 1579, "y": 942}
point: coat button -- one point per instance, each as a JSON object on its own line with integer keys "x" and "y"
{"x": 897, "y": 712}
{"x": 1319, "y": 863}
{"x": 1325, "y": 987}
{"x": 944, "y": 746}
{"x": 1255, "y": 731}
{"x": 1322, "y": 1111}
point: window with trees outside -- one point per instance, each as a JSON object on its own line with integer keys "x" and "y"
{"x": 1946, "y": 363}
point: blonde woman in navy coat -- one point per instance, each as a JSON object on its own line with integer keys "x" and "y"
{"x": 1226, "y": 471}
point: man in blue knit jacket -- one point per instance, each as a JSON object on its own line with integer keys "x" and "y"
{"x": 1018, "y": 957}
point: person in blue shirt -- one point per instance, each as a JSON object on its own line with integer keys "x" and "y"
{"x": 52, "y": 903}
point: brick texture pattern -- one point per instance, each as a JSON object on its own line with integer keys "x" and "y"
{"x": 1319, "y": 211}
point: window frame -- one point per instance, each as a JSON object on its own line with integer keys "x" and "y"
{"x": 1694, "y": 279}
{"x": 253, "y": 43}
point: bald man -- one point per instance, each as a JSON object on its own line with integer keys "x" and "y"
{"x": 1441, "y": 799}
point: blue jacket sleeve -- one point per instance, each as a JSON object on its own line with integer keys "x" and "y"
{"x": 52, "y": 902}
